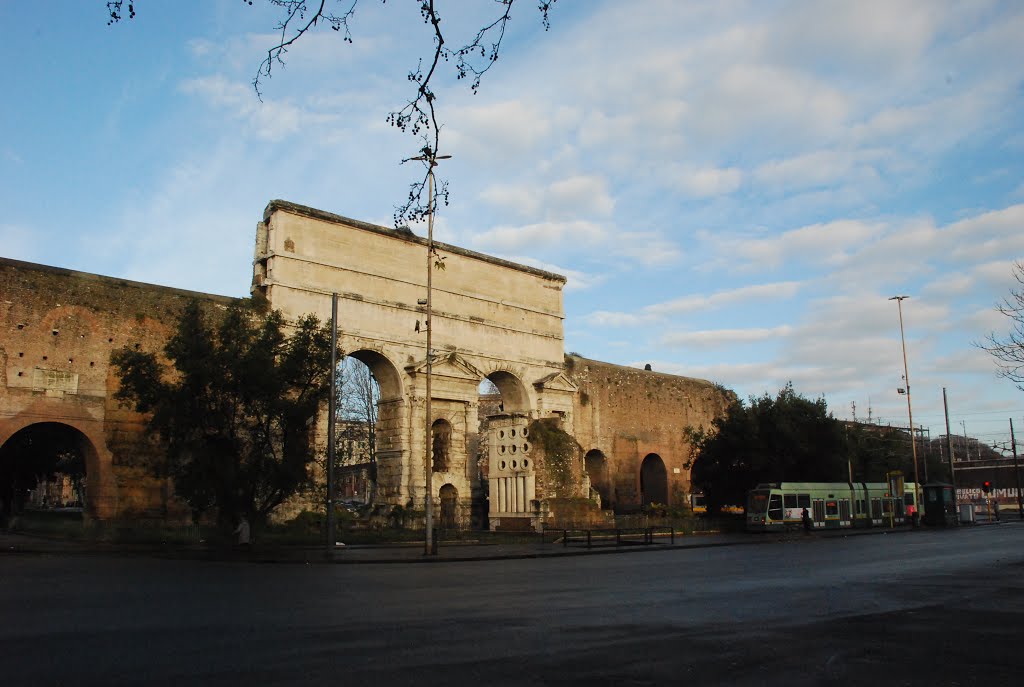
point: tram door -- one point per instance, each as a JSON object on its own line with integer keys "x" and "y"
{"x": 818, "y": 512}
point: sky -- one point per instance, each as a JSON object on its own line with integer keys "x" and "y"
{"x": 734, "y": 189}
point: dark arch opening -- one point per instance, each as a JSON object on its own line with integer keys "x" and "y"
{"x": 440, "y": 450}
{"x": 43, "y": 469}
{"x": 596, "y": 466}
{"x": 449, "y": 498}
{"x": 653, "y": 480}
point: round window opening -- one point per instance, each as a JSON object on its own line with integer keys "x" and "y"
{"x": 512, "y": 448}
{"x": 501, "y": 449}
{"x": 502, "y": 465}
{"x": 526, "y": 463}
{"x": 514, "y": 465}
{"x": 526, "y": 447}
{"x": 511, "y": 432}
{"x": 501, "y": 434}
{"x": 526, "y": 432}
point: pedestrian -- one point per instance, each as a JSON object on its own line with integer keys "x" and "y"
{"x": 995, "y": 510}
{"x": 806, "y": 517}
{"x": 243, "y": 533}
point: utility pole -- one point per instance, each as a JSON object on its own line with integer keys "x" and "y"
{"x": 949, "y": 448}
{"x": 1016, "y": 471}
{"x": 910, "y": 413}
{"x": 429, "y": 545}
{"x": 332, "y": 411}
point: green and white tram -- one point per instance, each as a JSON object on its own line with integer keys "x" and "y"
{"x": 831, "y": 505}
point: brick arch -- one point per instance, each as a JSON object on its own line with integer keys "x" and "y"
{"x": 93, "y": 448}
{"x": 653, "y": 480}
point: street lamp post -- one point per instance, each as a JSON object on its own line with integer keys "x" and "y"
{"x": 910, "y": 412}
{"x": 430, "y": 157}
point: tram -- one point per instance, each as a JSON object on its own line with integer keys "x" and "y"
{"x": 831, "y": 505}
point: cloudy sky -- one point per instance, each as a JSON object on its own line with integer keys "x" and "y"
{"x": 733, "y": 188}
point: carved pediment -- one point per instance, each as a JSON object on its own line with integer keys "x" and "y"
{"x": 556, "y": 381}
{"x": 448, "y": 365}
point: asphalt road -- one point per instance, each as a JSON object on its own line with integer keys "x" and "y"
{"x": 928, "y": 608}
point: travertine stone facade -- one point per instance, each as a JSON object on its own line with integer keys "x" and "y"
{"x": 57, "y": 330}
{"x": 491, "y": 318}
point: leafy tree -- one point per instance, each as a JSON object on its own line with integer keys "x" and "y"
{"x": 418, "y": 116}
{"x": 1008, "y": 350}
{"x": 235, "y": 408}
{"x": 769, "y": 439}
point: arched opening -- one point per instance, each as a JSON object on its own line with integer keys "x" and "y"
{"x": 508, "y": 389}
{"x": 369, "y": 397}
{"x": 596, "y": 466}
{"x": 449, "y": 498}
{"x": 653, "y": 480}
{"x": 440, "y": 450}
{"x": 43, "y": 470}
{"x": 358, "y": 411}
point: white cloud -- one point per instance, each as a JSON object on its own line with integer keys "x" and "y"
{"x": 708, "y": 182}
{"x": 270, "y": 120}
{"x": 536, "y": 236}
{"x": 715, "y": 338}
{"x": 567, "y": 198}
{"x": 656, "y": 312}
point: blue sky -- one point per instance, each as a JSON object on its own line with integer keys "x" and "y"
{"x": 733, "y": 188}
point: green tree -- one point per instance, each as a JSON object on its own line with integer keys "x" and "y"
{"x": 236, "y": 407}
{"x": 769, "y": 439}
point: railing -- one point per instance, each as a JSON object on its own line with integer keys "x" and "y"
{"x": 643, "y": 536}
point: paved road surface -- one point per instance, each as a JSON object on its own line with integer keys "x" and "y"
{"x": 929, "y": 607}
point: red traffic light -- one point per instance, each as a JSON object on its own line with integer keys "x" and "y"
{"x": 986, "y": 486}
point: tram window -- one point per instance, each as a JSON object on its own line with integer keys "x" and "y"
{"x": 831, "y": 508}
{"x": 803, "y": 501}
{"x": 775, "y": 507}
{"x": 789, "y": 500}
{"x": 886, "y": 506}
{"x": 908, "y": 499}
{"x": 861, "y": 507}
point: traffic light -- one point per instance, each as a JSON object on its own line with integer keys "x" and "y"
{"x": 986, "y": 487}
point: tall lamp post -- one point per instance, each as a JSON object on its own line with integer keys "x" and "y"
{"x": 430, "y": 157}
{"x": 910, "y": 412}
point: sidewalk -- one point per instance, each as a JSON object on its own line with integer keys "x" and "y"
{"x": 447, "y": 552}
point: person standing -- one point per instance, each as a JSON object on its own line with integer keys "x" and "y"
{"x": 806, "y": 517}
{"x": 244, "y": 533}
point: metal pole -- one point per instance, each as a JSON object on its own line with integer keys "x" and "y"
{"x": 430, "y": 157}
{"x": 332, "y": 409}
{"x": 949, "y": 450}
{"x": 428, "y": 424}
{"x": 910, "y": 412}
{"x": 1016, "y": 471}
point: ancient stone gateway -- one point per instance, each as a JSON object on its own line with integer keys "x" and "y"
{"x": 492, "y": 319}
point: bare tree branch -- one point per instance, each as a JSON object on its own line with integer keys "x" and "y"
{"x": 419, "y": 115}
{"x": 1008, "y": 350}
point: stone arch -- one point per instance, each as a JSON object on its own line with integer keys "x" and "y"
{"x": 515, "y": 398}
{"x": 448, "y": 513}
{"x": 653, "y": 480}
{"x": 597, "y": 469}
{"x": 441, "y": 447}
{"x": 384, "y": 371}
{"x": 33, "y": 450}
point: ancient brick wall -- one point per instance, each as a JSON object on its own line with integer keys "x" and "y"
{"x": 624, "y": 414}
{"x": 57, "y": 330}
